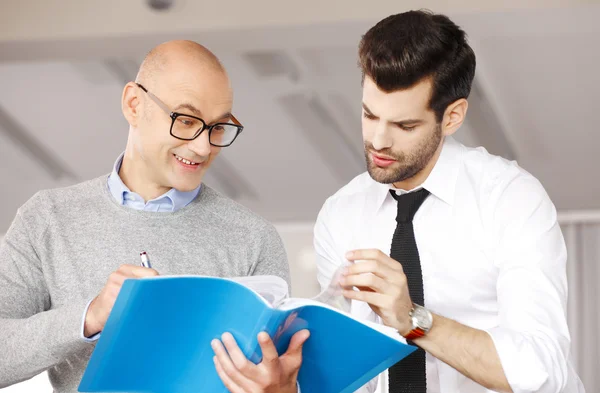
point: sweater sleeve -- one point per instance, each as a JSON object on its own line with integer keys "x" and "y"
{"x": 35, "y": 336}
{"x": 272, "y": 258}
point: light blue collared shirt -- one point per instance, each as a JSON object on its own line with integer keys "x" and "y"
{"x": 171, "y": 201}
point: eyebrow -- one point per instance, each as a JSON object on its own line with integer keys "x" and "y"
{"x": 198, "y": 112}
{"x": 189, "y": 107}
{"x": 405, "y": 122}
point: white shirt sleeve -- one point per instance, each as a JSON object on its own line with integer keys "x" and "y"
{"x": 329, "y": 254}
{"x": 93, "y": 338}
{"x": 532, "y": 338}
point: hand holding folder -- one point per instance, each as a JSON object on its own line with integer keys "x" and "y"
{"x": 275, "y": 373}
{"x": 158, "y": 336}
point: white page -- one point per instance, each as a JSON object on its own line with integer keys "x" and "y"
{"x": 271, "y": 289}
{"x": 293, "y": 303}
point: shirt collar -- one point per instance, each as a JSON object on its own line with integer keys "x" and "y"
{"x": 119, "y": 190}
{"x": 441, "y": 182}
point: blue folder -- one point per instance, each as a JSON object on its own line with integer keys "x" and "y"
{"x": 157, "y": 339}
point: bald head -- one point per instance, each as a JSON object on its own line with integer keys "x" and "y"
{"x": 185, "y": 88}
{"x": 184, "y": 56}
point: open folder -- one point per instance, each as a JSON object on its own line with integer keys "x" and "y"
{"x": 157, "y": 337}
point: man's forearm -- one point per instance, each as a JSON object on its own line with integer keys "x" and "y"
{"x": 32, "y": 345}
{"x": 470, "y": 351}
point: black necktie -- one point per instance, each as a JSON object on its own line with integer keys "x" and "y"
{"x": 408, "y": 375}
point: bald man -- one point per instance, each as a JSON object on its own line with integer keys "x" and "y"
{"x": 68, "y": 251}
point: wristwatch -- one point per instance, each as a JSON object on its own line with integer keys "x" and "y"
{"x": 421, "y": 322}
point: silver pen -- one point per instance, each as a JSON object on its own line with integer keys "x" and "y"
{"x": 145, "y": 260}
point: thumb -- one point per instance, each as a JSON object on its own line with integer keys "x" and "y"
{"x": 297, "y": 341}
{"x": 292, "y": 358}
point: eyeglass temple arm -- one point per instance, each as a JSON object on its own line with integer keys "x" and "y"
{"x": 154, "y": 98}
{"x": 165, "y": 108}
{"x": 235, "y": 120}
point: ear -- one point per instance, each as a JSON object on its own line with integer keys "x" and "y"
{"x": 454, "y": 116}
{"x": 131, "y": 104}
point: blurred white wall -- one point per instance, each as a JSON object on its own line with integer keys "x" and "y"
{"x": 298, "y": 240}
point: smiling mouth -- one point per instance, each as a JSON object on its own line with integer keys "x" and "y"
{"x": 188, "y": 162}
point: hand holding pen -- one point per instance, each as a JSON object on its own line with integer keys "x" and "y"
{"x": 101, "y": 306}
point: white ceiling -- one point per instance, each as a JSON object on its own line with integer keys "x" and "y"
{"x": 54, "y": 19}
{"x": 297, "y": 91}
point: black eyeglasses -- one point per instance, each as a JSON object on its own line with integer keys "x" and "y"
{"x": 188, "y": 128}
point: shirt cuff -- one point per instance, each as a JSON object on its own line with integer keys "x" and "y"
{"x": 93, "y": 338}
{"x": 521, "y": 364}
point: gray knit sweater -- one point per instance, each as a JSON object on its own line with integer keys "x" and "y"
{"x": 64, "y": 243}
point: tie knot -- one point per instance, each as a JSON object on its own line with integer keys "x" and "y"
{"x": 408, "y": 204}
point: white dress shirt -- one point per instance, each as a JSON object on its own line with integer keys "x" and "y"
{"x": 492, "y": 256}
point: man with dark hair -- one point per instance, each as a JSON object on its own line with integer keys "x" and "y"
{"x": 457, "y": 249}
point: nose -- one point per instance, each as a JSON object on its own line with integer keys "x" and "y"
{"x": 200, "y": 146}
{"x": 381, "y": 137}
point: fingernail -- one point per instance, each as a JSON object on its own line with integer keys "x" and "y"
{"x": 349, "y": 254}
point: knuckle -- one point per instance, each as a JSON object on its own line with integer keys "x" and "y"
{"x": 402, "y": 280}
{"x": 243, "y": 365}
{"x": 227, "y": 367}
{"x": 115, "y": 284}
{"x": 298, "y": 363}
{"x": 370, "y": 280}
{"x": 228, "y": 383}
{"x": 389, "y": 303}
{"x": 112, "y": 295}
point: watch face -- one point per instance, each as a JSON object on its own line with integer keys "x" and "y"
{"x": 422, "y": 318}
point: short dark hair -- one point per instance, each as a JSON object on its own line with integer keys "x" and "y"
{"x": 404, "y": 49}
